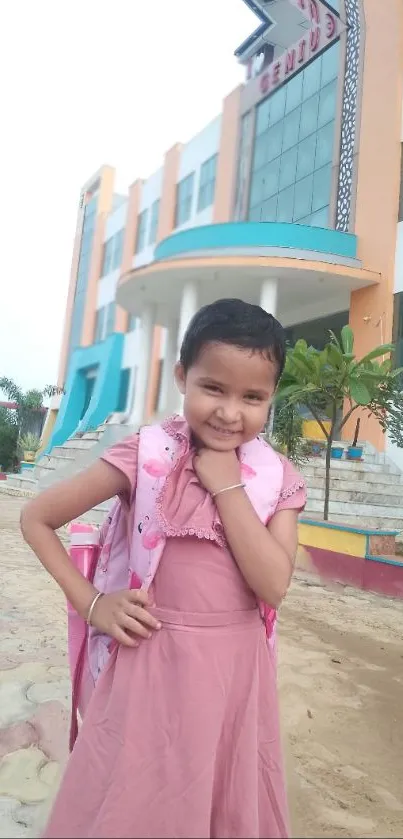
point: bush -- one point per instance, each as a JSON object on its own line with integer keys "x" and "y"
{"x": 8, "y": 447}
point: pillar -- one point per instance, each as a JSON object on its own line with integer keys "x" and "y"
{"x": 188, "y": 309}
{"x": 168, "y": 388}
{"x": 145, "y": 342}
{"x": 268, "y": 296}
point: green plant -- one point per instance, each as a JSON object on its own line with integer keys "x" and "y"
{"x": 29, "y": 442}
{"x": 288, "y": 433}
{"x": 324, "y": 381}
{"x": 27, "y": 404}
{"x": 8, "y": 442}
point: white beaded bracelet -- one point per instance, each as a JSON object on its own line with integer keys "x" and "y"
{"x": 93, "y": 604}
{"x": 227, "y": 489}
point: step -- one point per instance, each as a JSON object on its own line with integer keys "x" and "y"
{"x": 373, "y": 522}
{"x": 353, "y": 472}
{"x": 383, "y": 486}
{"x": 67, "y": 451}
{"x": 359, "y": 511}
{"x": 17, "y": 481}
{"x": 353, "y": 496}
{"x": 80, "y": 443}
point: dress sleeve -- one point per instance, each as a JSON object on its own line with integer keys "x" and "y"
{"x": 293, "y": 492}
{"x": 123, "y": 456}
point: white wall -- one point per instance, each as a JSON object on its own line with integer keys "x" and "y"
{"x": 399, "y": 259}
{"x": 150, "y": 192}
{"x": 107, "y": 288}
{"x": 194, "y": 154}
{"x": 116, "y": 221}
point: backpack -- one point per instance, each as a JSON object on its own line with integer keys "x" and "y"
{"x": 132, "y": 540}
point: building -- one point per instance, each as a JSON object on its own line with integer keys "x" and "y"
{"x": 290, "y": 198}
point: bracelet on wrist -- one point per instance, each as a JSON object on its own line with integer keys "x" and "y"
{"x": 227, "y": 489}
{"x": 97, "y": 597}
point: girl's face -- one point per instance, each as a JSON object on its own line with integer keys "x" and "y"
{"x": 227, "y": 393}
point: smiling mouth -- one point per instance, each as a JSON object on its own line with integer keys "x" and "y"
{"x": 223, "y": 432}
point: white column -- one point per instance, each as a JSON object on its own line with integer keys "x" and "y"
{"x": 142, "y": 378}
{"x": 188, "y": 309}
{"x": 268, "y": 296}
{"x": 166, "y": 402}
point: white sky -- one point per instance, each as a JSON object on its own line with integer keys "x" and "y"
{"x": 87, "y": 82}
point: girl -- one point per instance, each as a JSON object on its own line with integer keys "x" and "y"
{"x": 181, "y": 736}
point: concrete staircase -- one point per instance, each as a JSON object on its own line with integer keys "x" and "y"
{"x": 370, "y": 492}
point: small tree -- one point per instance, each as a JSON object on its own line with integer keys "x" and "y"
{"x": 324, "y": 381}
{"x": 288, "y": 433}
{"x": 27, "y": 404}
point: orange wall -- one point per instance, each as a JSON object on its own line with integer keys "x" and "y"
{"x": 129, "y": 243}
{"x": 227, "y": 158}
{"x": 105, "y": 198}
{"x": 378, "y": 180}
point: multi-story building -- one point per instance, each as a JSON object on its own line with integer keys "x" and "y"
{"x": 289, "y": 198}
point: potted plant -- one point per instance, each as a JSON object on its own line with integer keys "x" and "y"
{"x": 333, "y": 380}
{"x": 337, "y": 452}
{"x": 355, "y": 452}
{"x": 29, "y": 445}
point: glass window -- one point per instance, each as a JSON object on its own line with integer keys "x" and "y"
{"x": 110, "y": 318}
{"x": 141, "y": 231}
{"x": 322, "y": 181}
{"x": 99, "y": 325}
{"x": 270, "y": 177}
{"x": 207, "y": 183}
{"x": 123, "y": 390}
{"x": 306, "y": 157}
{"x": 312, "y": 78}
{"x": 184, "y": 195}
{"x": 277, "y": 105}
{"x": 288, "y": 167}
{"x": 269, "y": 209}
{"x": 309, "y": 117}
{"x": 155, "y": 211}
{"x": 259, "y": 157}
{"x": 294, "y": 92}
{"x": 291, "y": 129}
{"x": 273, "y": 141}
{"x": 320, "y": 218}
{"x": 257, "y": 188}
{"x": 262, "y": 117}
{"x": 107, "y": 261}
{"x": 303, "y": 198}
{"x": 285, "y": 204}
{"x": 118, "y": 249}
{"x": 327, "y": 103}
{"x": 330, "y": 64}
{"x": 324, "y": 147}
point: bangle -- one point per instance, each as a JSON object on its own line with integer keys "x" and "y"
{"x": 227, "y": 489}
{"x": 92, "y": 607}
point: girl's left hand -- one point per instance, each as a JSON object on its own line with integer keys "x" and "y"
{"x": 217, "y": 470}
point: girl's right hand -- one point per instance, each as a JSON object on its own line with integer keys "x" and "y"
{"x": 124, "y": 614}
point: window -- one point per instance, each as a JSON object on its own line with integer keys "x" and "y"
{"x": 292, "y": 153}
{"x": 108, "y": 257}
{"x": 99, "y": 325}
{"x": 123, "y": 390}
{"x": 155, "y": 211}
{"x": 132, "y": 323}
{"x": 141, "y": 231}
{"x": 117, "y": 249}
{"x": 207, "y": 183}
{"x": 110, "y": 319}
{"x": 184, "y": 196}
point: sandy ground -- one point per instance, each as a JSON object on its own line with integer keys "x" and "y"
{"x": 341, "y": 683}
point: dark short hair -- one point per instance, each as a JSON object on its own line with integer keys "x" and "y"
{"x": 232, "y": 321}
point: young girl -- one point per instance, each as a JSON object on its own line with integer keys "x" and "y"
{"x": 181, "y": 735}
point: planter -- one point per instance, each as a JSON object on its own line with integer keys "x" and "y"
{"x": 337, "y": 452}
{"x": 355, "y": 452}
{"x": 29, "y": 457}
{"x": 317, "y": 449}
{"x": 3, "y": 476}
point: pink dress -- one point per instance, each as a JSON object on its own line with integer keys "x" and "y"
{"x": 181, "y": 737}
